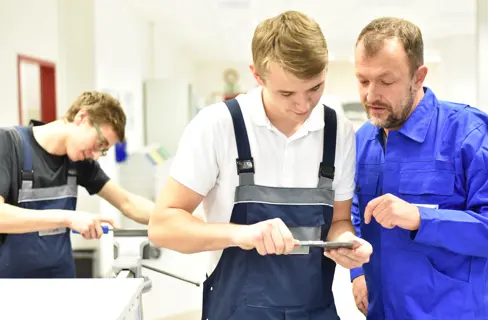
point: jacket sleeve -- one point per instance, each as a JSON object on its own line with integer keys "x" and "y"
{"x": 463, "y": 232}
{"x": 356, "y": 222}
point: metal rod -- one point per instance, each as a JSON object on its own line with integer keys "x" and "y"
{"x": 170, "y": 275}
{"x": 325, "y": 244}
{"x": 129, "y": 232}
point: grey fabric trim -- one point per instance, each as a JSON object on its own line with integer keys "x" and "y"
{"x": 66, "y": 191}
{"x": 246, "y": 179}
{"x": 26, "y": 184}
{"x": 306, "y": 233}
{"x": 72, "y": 181}
{"x": 52, "y": 232}
{"x": 272, "y": 195}
{"x": 325, "y": 183}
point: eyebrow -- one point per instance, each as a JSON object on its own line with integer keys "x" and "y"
{"x": 316, "y": 86}
{"x": 383, "y": 74}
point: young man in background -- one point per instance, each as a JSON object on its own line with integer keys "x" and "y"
{"x": 41, "y": 166}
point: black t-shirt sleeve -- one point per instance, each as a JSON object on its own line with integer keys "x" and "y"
{"x": 5, "y": 164}
{"x": 91, "y": 176}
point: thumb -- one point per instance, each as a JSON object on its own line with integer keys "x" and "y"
{"x": 110, "y": 221}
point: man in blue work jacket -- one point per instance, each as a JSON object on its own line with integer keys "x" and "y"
{"x": 271, "y": 166}
{"x": 41, "y": 167}
{"x": 421, "y": 195}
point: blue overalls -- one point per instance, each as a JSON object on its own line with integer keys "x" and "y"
{"x": 438, "y": 160}
{"x": 246, "y": 285}
{"x": 44, "y": 254}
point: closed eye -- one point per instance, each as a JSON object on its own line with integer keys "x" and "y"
{"x": 316, "y": 87}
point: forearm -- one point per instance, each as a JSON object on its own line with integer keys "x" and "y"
{"x": 180, "y": 231}
{"x": 20, "y": 220}
{"x": 467, "y": 230}
{"x": 338, "y": 228}
{"x": 138, "y": 208}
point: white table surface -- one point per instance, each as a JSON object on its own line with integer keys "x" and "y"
{"x": 68, "y": 299}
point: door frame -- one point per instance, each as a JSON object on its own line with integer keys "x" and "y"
{"x": 47, "y": 71}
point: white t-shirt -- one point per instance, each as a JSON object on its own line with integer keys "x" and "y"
{"x": 206, "y": 158}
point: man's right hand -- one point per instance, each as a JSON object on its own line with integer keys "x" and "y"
{"x": 88, "y": 224}
{"x": 360, "y": 293}
{"x": 268, "y": 237}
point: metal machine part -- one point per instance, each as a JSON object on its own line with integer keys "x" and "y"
{"x": 131, "y": 266}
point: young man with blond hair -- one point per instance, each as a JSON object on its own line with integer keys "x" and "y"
{"x": 41, "y": 166}
{"x": 422, "y": 187}
{"x": 270, "y": 171}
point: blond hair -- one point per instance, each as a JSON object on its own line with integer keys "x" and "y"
{"x": 102, "y": 108}
{"x": 294, "y": 41}
{"x": 377, "y": 31}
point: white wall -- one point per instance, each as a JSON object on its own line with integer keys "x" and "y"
{"x": 25, "y": 32}
{"x": 76, "y": 63}
{"x": 31, "y": 93}
{"x": 171, "y": 60}
{"x": 457, "y": 71}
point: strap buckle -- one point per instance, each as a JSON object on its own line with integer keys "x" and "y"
{"x": 245, "y": 165}
{"x": 27, "y": 175}
{"x": 326, "y": 171}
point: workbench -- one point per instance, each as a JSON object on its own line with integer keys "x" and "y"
{"x": 70, "y": 299}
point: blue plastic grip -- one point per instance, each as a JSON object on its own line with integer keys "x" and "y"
{"x": 104, "y": 228}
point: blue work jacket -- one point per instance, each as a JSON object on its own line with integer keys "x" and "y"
{"x": 438, "y": 160}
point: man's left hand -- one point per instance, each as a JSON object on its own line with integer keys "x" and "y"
{"x": 391, "y": 211}
{"x": 351, "y": 258}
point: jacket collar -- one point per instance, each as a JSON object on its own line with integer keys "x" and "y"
{"x": 417, "y": 125}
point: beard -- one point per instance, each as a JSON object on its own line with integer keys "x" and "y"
{"x": 395, "y": 117}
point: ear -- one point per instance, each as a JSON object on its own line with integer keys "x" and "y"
{"x": 256, "y": 75}
{"x": 419, "y": 77}
{"x": 80, "y": 117}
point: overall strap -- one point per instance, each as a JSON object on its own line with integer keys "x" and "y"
{"x": 27, "y": 174}
{"x": 72, "y": 174}
{"x": 244, "y": 161}
{"x": 327, "y": 168}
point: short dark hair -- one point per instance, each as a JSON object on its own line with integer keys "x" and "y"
{"x": 381, "y": 29}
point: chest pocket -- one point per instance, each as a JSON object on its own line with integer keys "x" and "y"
{"x": 366, "y": 187}
{"x": 427, "y": 187}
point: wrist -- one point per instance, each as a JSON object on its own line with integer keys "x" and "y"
{"x": 237, "y": 235}
{"x": 415, "y": 221}
{"x": 345, "y": 236}
{"x": 63, "y": 218}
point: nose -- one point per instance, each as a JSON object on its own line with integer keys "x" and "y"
{"x": 96, "y": 155}
{"x": 371, "y": 94}
{"x": 303, "y": 104}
